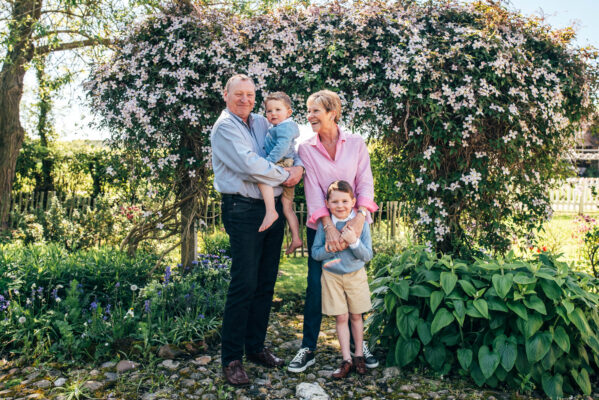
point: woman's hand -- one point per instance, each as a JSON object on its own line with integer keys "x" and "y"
{"x": 349, "y": 235}
{"x": 356, "y": 224}
{"x": 334, "y": 242}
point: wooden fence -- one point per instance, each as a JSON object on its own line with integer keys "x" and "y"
{"x": 576, "y": 195}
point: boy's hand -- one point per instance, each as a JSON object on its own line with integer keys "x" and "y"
{"x": 349, "y": 235}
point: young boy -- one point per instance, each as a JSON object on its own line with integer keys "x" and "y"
{"x": 279, "y": 145}
{"x": 344, "y": 281}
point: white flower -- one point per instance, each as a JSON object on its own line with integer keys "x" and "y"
{"x": 110, "y": 171}
{"x": 160, "y": 225}
{"x": 429, "y": 152}
{"x": 133, "y": 288}
{"x": 22, "y": 320}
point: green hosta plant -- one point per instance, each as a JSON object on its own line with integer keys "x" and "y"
{"x": 509, "y": 320}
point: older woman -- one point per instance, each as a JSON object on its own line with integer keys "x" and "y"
{"x": 331, "y": 154}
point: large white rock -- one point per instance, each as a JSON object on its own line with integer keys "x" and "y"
{"x": 310, "y": 391}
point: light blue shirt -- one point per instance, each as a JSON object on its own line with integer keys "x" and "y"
{"x": 238, "y": 156}
{"x": 280, "y": 140}
{"x": 349, "y": 260}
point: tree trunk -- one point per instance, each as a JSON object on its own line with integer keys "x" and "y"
{"x": 189, "y": 233}
{"x": 25, "y": 14}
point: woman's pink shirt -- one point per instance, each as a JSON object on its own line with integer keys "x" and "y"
{"x": 351, "y": 164}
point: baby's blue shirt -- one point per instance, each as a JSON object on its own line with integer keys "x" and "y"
{"x": 280, "y": 140}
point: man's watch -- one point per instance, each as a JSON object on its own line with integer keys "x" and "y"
{"x": 363, "y": 212}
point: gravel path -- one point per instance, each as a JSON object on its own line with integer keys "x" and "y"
{"x": 200, "y": 377}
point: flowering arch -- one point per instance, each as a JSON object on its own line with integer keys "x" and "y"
{"x": 478, "y": 104}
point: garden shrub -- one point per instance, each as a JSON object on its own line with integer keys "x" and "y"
{"x": 92, "y": 304}
{"x": 528, "y": 323}
{"x": 476, "y": 103}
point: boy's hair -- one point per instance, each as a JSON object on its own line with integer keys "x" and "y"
{"x": 340, "y": 186}
{"x": 279, "y": 96}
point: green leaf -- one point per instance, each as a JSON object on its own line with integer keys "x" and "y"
{"x": 535, "y": 303}
{"x": 508, "y": 351}
{"x": 477, "y": 374}
{"x": 448, "y": 281}
{"x": 467, "y": 287}
{"x": 582, "y": 379}
{"x": 502, "y": 284}
{"x": 569, "y": 306}
{"x": 465, "y": 358}
{"x": 420, "y": 291}
{"x": 561, "y": 338}
{"x": 496, "y": 304}
{"x": 519, "y": 309}
{"x": 441, "y": 320}
{"x": 534, "y": 323}
{"x": 435, "y": 356}
{"x": 552, "y": 385}
{"x": 538, "y": 346}
{"x": 551, "y": 357}
{"x": 482, "y": 307}
{"x": 406, "y": 351}
{"x": 551, "y": 289}
{"x": 390, "y": 301}
{"x": 401, "y": 289}
{"x": 407, "y": 318}
{"x": 580, "y": 321}
{"x": 424, "y": 332}
{"x": 436, "y": 298}
{"x": 488, "y": 361}
{"x": 524, "y": 279}
{"x": 472, "y": 311}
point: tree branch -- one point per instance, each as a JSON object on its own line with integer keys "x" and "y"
{"x": 72, "y": 45}
{"x": 59, "y": 31}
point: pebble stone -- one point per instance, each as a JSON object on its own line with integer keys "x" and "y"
{"x": 200, "y": 377}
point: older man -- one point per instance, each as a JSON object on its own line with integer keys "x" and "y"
{"x": 239, "y": 164}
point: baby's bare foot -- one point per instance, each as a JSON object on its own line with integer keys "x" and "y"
{"x": 268, "y": 220}
{"x": 294, "y": 245}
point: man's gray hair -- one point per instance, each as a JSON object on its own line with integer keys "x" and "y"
{"x": 241, "y": 77}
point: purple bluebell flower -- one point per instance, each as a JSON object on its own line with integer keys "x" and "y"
{"x": 118, "y": 285}
{"x": 201, "y": 316}
{"x": 40, "y": 289}
{"x": 93, "y": 306}
{"x": 108, "y": 309}
{"x": 167, "y": 275}
{"x": 147, "y": 306}
{"x": 194, "y": 262}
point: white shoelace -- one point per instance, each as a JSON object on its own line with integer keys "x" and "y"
{"x": 300, "y": 354}
{"x": 365, "y": 350}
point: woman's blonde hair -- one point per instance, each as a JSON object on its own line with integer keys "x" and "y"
{"x": 327, "y": 99}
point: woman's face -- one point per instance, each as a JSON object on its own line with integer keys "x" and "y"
{"x": 319, "y": 118}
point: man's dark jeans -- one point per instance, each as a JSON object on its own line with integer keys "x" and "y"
{"x": 253, "y": 275}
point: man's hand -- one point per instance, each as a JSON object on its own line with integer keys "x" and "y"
{"x": 295, "y": 175}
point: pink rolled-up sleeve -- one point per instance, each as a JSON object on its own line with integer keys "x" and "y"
{"x": 364, "y": 182}
{"x": 315, "y": 198}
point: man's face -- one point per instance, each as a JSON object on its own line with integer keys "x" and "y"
{"x": 240, "y": 98}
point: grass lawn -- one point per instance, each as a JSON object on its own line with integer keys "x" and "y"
{"x": 291, "y": 282}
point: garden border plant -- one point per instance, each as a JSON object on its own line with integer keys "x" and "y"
{"x": 530, "y": 324}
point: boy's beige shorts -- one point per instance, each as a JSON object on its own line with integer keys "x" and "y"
{"x": 343, "y": 293}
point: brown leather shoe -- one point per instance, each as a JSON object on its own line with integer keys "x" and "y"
{"x": 360, "y": 365}
{"x": 343, "y": 370}
{"x": 235, "y": 374}
{"x": 266, "y": 358}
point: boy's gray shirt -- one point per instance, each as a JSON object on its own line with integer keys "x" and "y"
{"x": 349, "y": 260}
